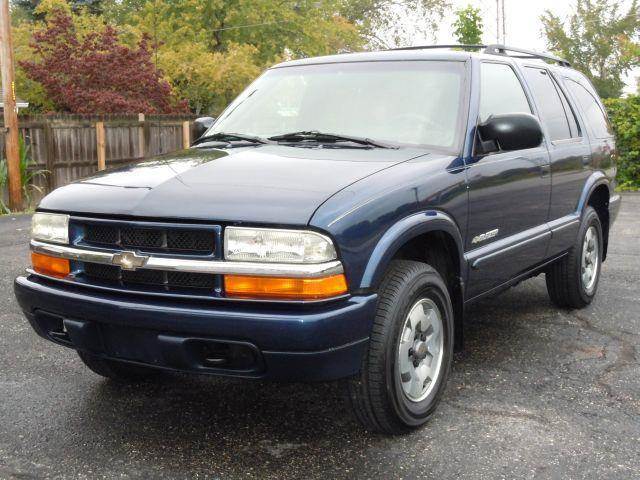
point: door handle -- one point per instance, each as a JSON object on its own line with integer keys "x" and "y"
{"x": 545, "y": 170}
{"x": 586, "y": 160}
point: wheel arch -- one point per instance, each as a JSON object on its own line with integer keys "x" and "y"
{"x": 410, "y": 238}
{"x": 596, "y": 194}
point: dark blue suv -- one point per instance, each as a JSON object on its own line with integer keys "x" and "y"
{"x": 335, "y": 221}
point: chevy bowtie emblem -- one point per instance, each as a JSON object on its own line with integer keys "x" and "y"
{"x": 129, "y": 260}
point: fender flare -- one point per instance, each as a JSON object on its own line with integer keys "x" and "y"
{"x": 401, "y": 232}
{"x": 596, "y": 179}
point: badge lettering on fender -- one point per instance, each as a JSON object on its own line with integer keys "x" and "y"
{"x": 485, "y": 236}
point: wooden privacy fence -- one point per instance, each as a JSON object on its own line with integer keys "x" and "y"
{"x": 70, "y": 147}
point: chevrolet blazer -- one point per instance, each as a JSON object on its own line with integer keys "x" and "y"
{"x": 336, "y": 221}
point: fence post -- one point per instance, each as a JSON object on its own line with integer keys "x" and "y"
{"x": 102, "y": 164}
{"x": 141, "y": 142}
{"x": 146, "y": 134}
{"x": 186, "y": 134}
{"x": 50, "y": 151}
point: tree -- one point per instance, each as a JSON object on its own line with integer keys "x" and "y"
{"x": 468, "y": 26}
{"x": 394, "y": 23}
{"x": 299, "y": 28}
{"x": 95, "y": 73}
{"x": 599, "y": 39}
{"x": 29, "y": 8}
{"x": 209, "y": 50}
{"x": 209, "y": 80}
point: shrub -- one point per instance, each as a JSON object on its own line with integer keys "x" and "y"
{"x": 624, "y": 114}
{"x": 28, "y": 175}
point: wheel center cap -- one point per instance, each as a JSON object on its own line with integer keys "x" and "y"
{"x": 420, "y": 350}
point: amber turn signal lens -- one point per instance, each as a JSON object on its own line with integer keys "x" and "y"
{"x": 241, "y": 286}
{"x": 52, "y": 266}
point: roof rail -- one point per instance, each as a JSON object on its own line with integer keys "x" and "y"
{"x": 427, "y": 47}
{"x": 503, "y": 49}
{"x": 496, "y": 49}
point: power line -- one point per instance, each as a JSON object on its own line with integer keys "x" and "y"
{"x": 249, "y": 25}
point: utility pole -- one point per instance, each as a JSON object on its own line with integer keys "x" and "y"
{"x": 10, "y": 111}
{"x": 504, "y": 25}
{"x": 497, "y": 21}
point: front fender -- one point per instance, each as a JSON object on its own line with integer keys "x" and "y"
{"x": 399, "y": 234}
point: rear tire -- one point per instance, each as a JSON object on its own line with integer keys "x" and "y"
{"x": 118, "y": 371}
{"x": 406, "y": 366}
{"x": 572, "y": 281}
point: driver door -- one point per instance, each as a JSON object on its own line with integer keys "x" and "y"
{"x": 509, "y": 193}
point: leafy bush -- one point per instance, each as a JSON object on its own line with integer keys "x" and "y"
{"x": 28, "y": 173}
{"x": 4, "y": 181}
{"x": 625, "y": 118}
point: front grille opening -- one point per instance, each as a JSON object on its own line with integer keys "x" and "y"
{"x": 102, "y": 272}
{"x": 101, "y": 235}
{"x": 141, "y": 238}
{"x": 158, "y": 279}
{"x": 191, "y": 280}
{"x": 181, "y": 240}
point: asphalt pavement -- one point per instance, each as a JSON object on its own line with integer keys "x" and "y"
{"x": 537, "y": 393}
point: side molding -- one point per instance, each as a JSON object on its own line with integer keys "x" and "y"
{"x": 403, "y": 231}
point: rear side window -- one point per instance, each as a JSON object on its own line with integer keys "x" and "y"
{"x": 552, "y": 112}
{"x": 500, "y": 91}
{"x": 570, "y": 111}
{"x": 594, "y": 115}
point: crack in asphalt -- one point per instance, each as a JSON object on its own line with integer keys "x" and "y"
{"x": 482, "y": 411}
{"x": 625, "y": 356}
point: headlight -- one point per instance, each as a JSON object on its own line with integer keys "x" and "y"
{"x": 277, "y": 246}
{"x": 50, "y": 227}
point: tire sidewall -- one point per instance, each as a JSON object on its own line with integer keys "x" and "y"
{"x": 590, "y": 219}
{"x": 424, "y": 285}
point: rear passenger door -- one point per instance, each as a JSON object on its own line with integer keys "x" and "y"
{"x": 508, "y": 192}
{"x": 594, "y": 119}
{"x": 569, "y": 154}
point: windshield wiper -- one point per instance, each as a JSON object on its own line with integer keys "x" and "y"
{"x": 230, "y": 137}
{"x": 321, "y": 137}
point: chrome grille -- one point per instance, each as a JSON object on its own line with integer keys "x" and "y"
{"x": 177, "y": 240}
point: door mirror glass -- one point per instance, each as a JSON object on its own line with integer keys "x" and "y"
{"x": 201, "y": 125}
{"x": 509, "y": 131}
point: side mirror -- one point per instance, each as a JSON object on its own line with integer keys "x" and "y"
{"x": 511, "y": 131}
{"x": 201, "y": 125}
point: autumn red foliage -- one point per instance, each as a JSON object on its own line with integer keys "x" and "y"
{"x": 96, "y": 74}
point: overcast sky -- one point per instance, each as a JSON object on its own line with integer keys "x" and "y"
{"x": 523, "y": 26}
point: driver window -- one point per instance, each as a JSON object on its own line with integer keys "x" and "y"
{"x": 500, "y": 91}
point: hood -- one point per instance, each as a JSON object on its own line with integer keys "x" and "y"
{"x": 260, "y": 184}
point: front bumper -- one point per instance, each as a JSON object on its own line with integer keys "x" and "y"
{"x": 276, "y": 341}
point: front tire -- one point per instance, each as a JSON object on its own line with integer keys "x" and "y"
{"x": 407, "y": 363}
{"x": 572, "y": 281}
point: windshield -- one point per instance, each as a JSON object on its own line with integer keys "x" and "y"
{"x": 404, "y": 103}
